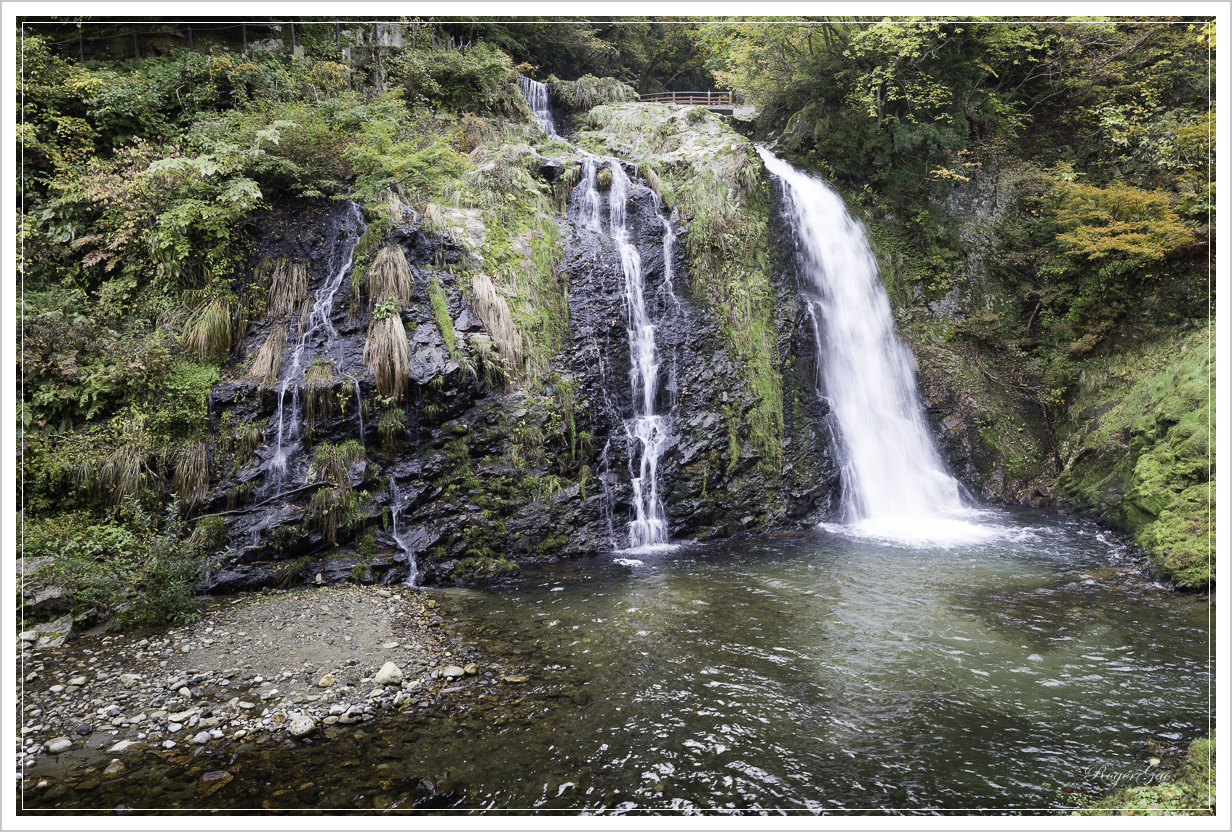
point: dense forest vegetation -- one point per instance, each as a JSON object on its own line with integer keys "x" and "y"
{"x": 143, "y": 174}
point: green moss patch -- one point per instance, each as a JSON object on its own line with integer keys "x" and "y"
{"x": 1140, "y": 452}
{"x": 1188, "y": 791}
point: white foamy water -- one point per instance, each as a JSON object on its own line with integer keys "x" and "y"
{"x": 537, "y": 97}
{"x": 966, "y": 528}
{"x": 317, "y": 336}
{"x": 395, "y": 511}
{"x": 895, "y": 485}
{"x": 647, "y": 431}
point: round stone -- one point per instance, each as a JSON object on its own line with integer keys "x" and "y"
{"x": 58, "y": 745}
{"x": 389, "y": 674}
{"x": 301, "y": 726}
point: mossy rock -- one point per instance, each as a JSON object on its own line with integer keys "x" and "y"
{"x": 1144, "y": 465}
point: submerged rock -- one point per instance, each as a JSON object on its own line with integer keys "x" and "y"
{"x": 58, "y": 745}
{"x": 212, "y": 781}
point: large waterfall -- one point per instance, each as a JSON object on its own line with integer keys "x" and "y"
{"x": 894, "y": 482}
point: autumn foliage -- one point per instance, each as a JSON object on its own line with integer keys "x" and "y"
{"x": 1119, "y": 229}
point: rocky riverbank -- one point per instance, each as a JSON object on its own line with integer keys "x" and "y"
{"x": 279, "y": 666}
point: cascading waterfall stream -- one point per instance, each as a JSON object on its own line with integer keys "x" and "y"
{"x": 359, "y": 412}
{"x": 646, "y": 431}
{"x": 537, "y": 97}
{"x": 319, "y": 333}
{"x": 895, "y": 484}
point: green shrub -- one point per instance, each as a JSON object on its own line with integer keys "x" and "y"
{"x": 479, "y": 80}
{"x": 131, "y": 574}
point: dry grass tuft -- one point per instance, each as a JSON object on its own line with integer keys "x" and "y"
{"x": 214, "y": 329}
{"x": 390, "y": 207}
{"x": 123, "y": 472}
{"x": 332, "y": 463}
{"x": 653, "y": 180}
{"x": 433, "y": 217}
{"x": 589, "y": 91}
{"x": 494, "y": 312}
{"x": 269, "y": 357}
{"x": 191, "y": 480}
{"x": 288, "y": 286}
{"x": 316, "y": 391}
{"x": 387, "y": 352}
{"x": 389, "y": 278}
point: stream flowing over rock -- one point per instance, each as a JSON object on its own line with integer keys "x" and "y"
{"x": 644, "y": 409}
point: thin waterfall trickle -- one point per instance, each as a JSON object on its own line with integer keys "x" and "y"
{"x": 359, "y": 411}
{"x": 646, "y": 431}
{"x": 395, "y": 510}
{"x": 537, "y": 97}
{"x": 317, "y": 335}
{"x": 892, "y": 473}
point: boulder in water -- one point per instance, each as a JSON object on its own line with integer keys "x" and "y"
{"x": 59, "y": 745}
{"x": 302, "y": 726}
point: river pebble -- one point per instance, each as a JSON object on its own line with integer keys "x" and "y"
{"x": 260, "y": 665}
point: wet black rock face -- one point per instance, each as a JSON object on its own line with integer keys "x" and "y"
{"x": 458, "y": 486}
{"x": 706, "y": 493}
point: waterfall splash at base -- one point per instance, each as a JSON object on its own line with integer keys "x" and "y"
{"x": 895, "y": 486}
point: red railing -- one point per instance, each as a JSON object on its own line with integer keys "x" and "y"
{"x": 695, "y": 99}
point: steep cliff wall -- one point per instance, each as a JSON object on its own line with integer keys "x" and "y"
{"x": 510, "y": 441}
